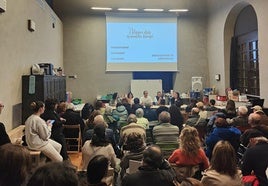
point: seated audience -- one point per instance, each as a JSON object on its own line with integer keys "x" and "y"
{"x": 100, "y": 106}
{"x": 136, "y": 105}
{"x": 154, "y": 171}
{"x": 162, "y": 107}
{"x": 142, "y": 120}
{"x": 230, "y": 110}
{"x": 124, "y": 102}
{"x": 202, "y": 112}
{"x": 54, "y": 173}
{"x": 195, "y": 119}
{"x": 4, "y": 138}
{"x": 191, "y": 105}
{"x": 158, "y": 98}
{"x": 71, "y": 117}
{"x": 241, "y": 120}
{"x": 223, "y": 131}
{"x": 61, "y": 108}
{"x": 211, "y": 106}
{"x": 15, "y": 164}
{"x": 223, "y": 170}
{"x": 254, "y": 120}
{"x": 264, "y": 118}
{"x": 89, "y": 122}
{"x": 98, "y": 145}
{"x": 255, "y": 159}
{"x": 149, "y": 113}
{"x": 146, "y": 99}
{"x": 165, "y": 132}
{"x": 38, "y": 132}
{"x": 176, "y": 117}
{"x": 121, "y": 114}
{"x": 190, "y": 151}
{"x": 131, "y": 127}
{"x": 57, "y": 130}
{"x": 134, "y": 147}
{"x": 97, "y": 170}
{"x": 110, "y": 120}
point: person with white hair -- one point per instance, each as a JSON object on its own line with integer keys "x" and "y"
{"x": 241, "y": 120}
{"x": 142, "y": 120}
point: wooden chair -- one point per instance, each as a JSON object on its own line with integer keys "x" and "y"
{"x": 73, "y": 138}
{"x": 186, "y": 171}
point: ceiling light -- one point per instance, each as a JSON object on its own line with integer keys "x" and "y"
{"x": 101, "y": 8}
{"x": 127, "y": 9}
{"x": 178, "y": 10}
{"x": 153, "y": 9}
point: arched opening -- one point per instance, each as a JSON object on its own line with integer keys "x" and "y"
{"x": 241, "y": 49}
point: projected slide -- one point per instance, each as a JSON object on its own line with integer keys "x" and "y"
{"x": 141, "y": 42}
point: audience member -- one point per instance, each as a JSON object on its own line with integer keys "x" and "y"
{"x": 158, "y": 98}
{"x": 109, "y": 119}
{"x": 136, "y": 105}
{"x": 223, "y": 131}
{"x": 149, "y": 113}
{"x": 100, "y": 106}
{"x": 131, "y": 128}
{"x": 124, "y": 102}
{"x": 195, "y": 119}
{"x": 241, "y": 120}
{"x": 154, "y": 170}
{"x": 176, "y": 117}
{"x": 54, "y": 173}
{"x": 211, "y": 106}
{"x": 191, "y": 105}
{"x": 61, "y": 108}
{"x": 165, "y": 132}
{"x": 146, "y": 98}
{"x": 51, "y": 114}
{"x": 254, "y": 120}
{"x": 134, "y": 147}
{"x": 89, "y": 123}
{"x": 258, "y": 110}
{"x": 97, "y": 170}
{"x": 223, "y": 170}
{"x": 202, "y": 112}
{"x": 255, "y": 159}
{"x": 230, "y": 110}
{"x": 72, "y": 118}
{"x": 4, "y": 138}
{"x": 37, "y": 133}
{"x": 162, "y": 107}
{"x": 176, "y": 99}
{"x": 121, "y": 114}
{"x": 98, "y": 145}
{"x": 142, "y": 120}
{"x": 190, "y": 151}
{"x": 15, "y": 164}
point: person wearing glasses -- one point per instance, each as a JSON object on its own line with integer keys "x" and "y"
{"x": 4, "y": 138}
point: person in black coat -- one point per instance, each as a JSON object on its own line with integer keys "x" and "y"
{"x": 57, "y": 129}
{"x": 154, "y": 170}
{"x": 4, "y": 138}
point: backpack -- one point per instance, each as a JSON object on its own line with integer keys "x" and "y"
{"x": 250, "y": 180}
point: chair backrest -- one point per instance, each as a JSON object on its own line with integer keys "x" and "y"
{"x": 73, "y": 138}
{"x": 185, "y": 171}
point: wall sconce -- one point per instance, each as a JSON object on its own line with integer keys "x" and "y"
{"x": 217, "y": 77}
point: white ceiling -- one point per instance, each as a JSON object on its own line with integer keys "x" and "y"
{"x": 61, "y": 7}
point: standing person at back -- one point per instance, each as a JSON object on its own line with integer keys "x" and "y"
{"x": 146, "y": 99}
{"x": 165, "y": 132}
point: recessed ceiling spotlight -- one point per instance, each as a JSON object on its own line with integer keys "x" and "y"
{"x": 178, "y": 10}
{"x": 127, "y": 9}
{"x": 101, "y": 8}
{"x": 153, "y": 10}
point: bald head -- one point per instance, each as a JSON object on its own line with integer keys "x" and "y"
{"x": 254, "y": 119}
{"x": 99, "y": 120}
{"x": 164, "y": 117}
{"x": 152, "y": 157}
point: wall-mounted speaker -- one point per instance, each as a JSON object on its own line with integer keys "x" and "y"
{"x": 197, "y": 85}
